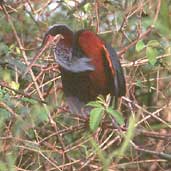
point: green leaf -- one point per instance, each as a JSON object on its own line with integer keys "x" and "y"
{"x": 29, "y": 100}
{"x": 87, "y": 7}
{"x": 139, "y": 83}
{"x": 118, "y": 117}
{"x": 95, "y": 118}
{"x": 14, "y": 85}
{"x": 6, "y": 75}
{"x": 18, "y": 51}
{"x": 94, "y": 104}
{"x": 139, "y": 46}
{"x": 153, "y": 43}
{"x": 151, "y": 55}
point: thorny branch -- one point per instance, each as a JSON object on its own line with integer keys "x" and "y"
{"x": 53, "y": 123}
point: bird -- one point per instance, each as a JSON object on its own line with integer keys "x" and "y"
{"x": 89, "y": 67}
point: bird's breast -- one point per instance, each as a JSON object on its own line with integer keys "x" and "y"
{"x": 63, "y": 53}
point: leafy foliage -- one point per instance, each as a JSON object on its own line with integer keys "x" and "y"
{"x": 100, "y": 107}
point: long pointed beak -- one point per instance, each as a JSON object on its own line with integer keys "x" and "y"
{"x": 50, "y": 39}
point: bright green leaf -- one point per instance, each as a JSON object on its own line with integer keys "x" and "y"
{"x": 6, "y": 75}
{"x": 151, "y": 55}
{"x": 94, "y": 104}
{"x": 14, "y": 85}
{"x": 95, "y": 118}
{"x": 18, "y": 51}
{"x": 87, "y": 7}
{"x": 153, "y": 43}
{"x": 118, "y": 117}
{"x": 139, "y": 46}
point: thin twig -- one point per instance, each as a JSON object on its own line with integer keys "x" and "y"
{"x": 4, "y": 84}
{"x": 160, "y": 154}
{"x": 142, "y": 35}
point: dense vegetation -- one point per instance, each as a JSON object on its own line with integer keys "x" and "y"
{"x": 38, "y": 133}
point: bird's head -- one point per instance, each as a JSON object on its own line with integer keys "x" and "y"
{"x": 57, "y": 33}
{"x": 58, "y": 30}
